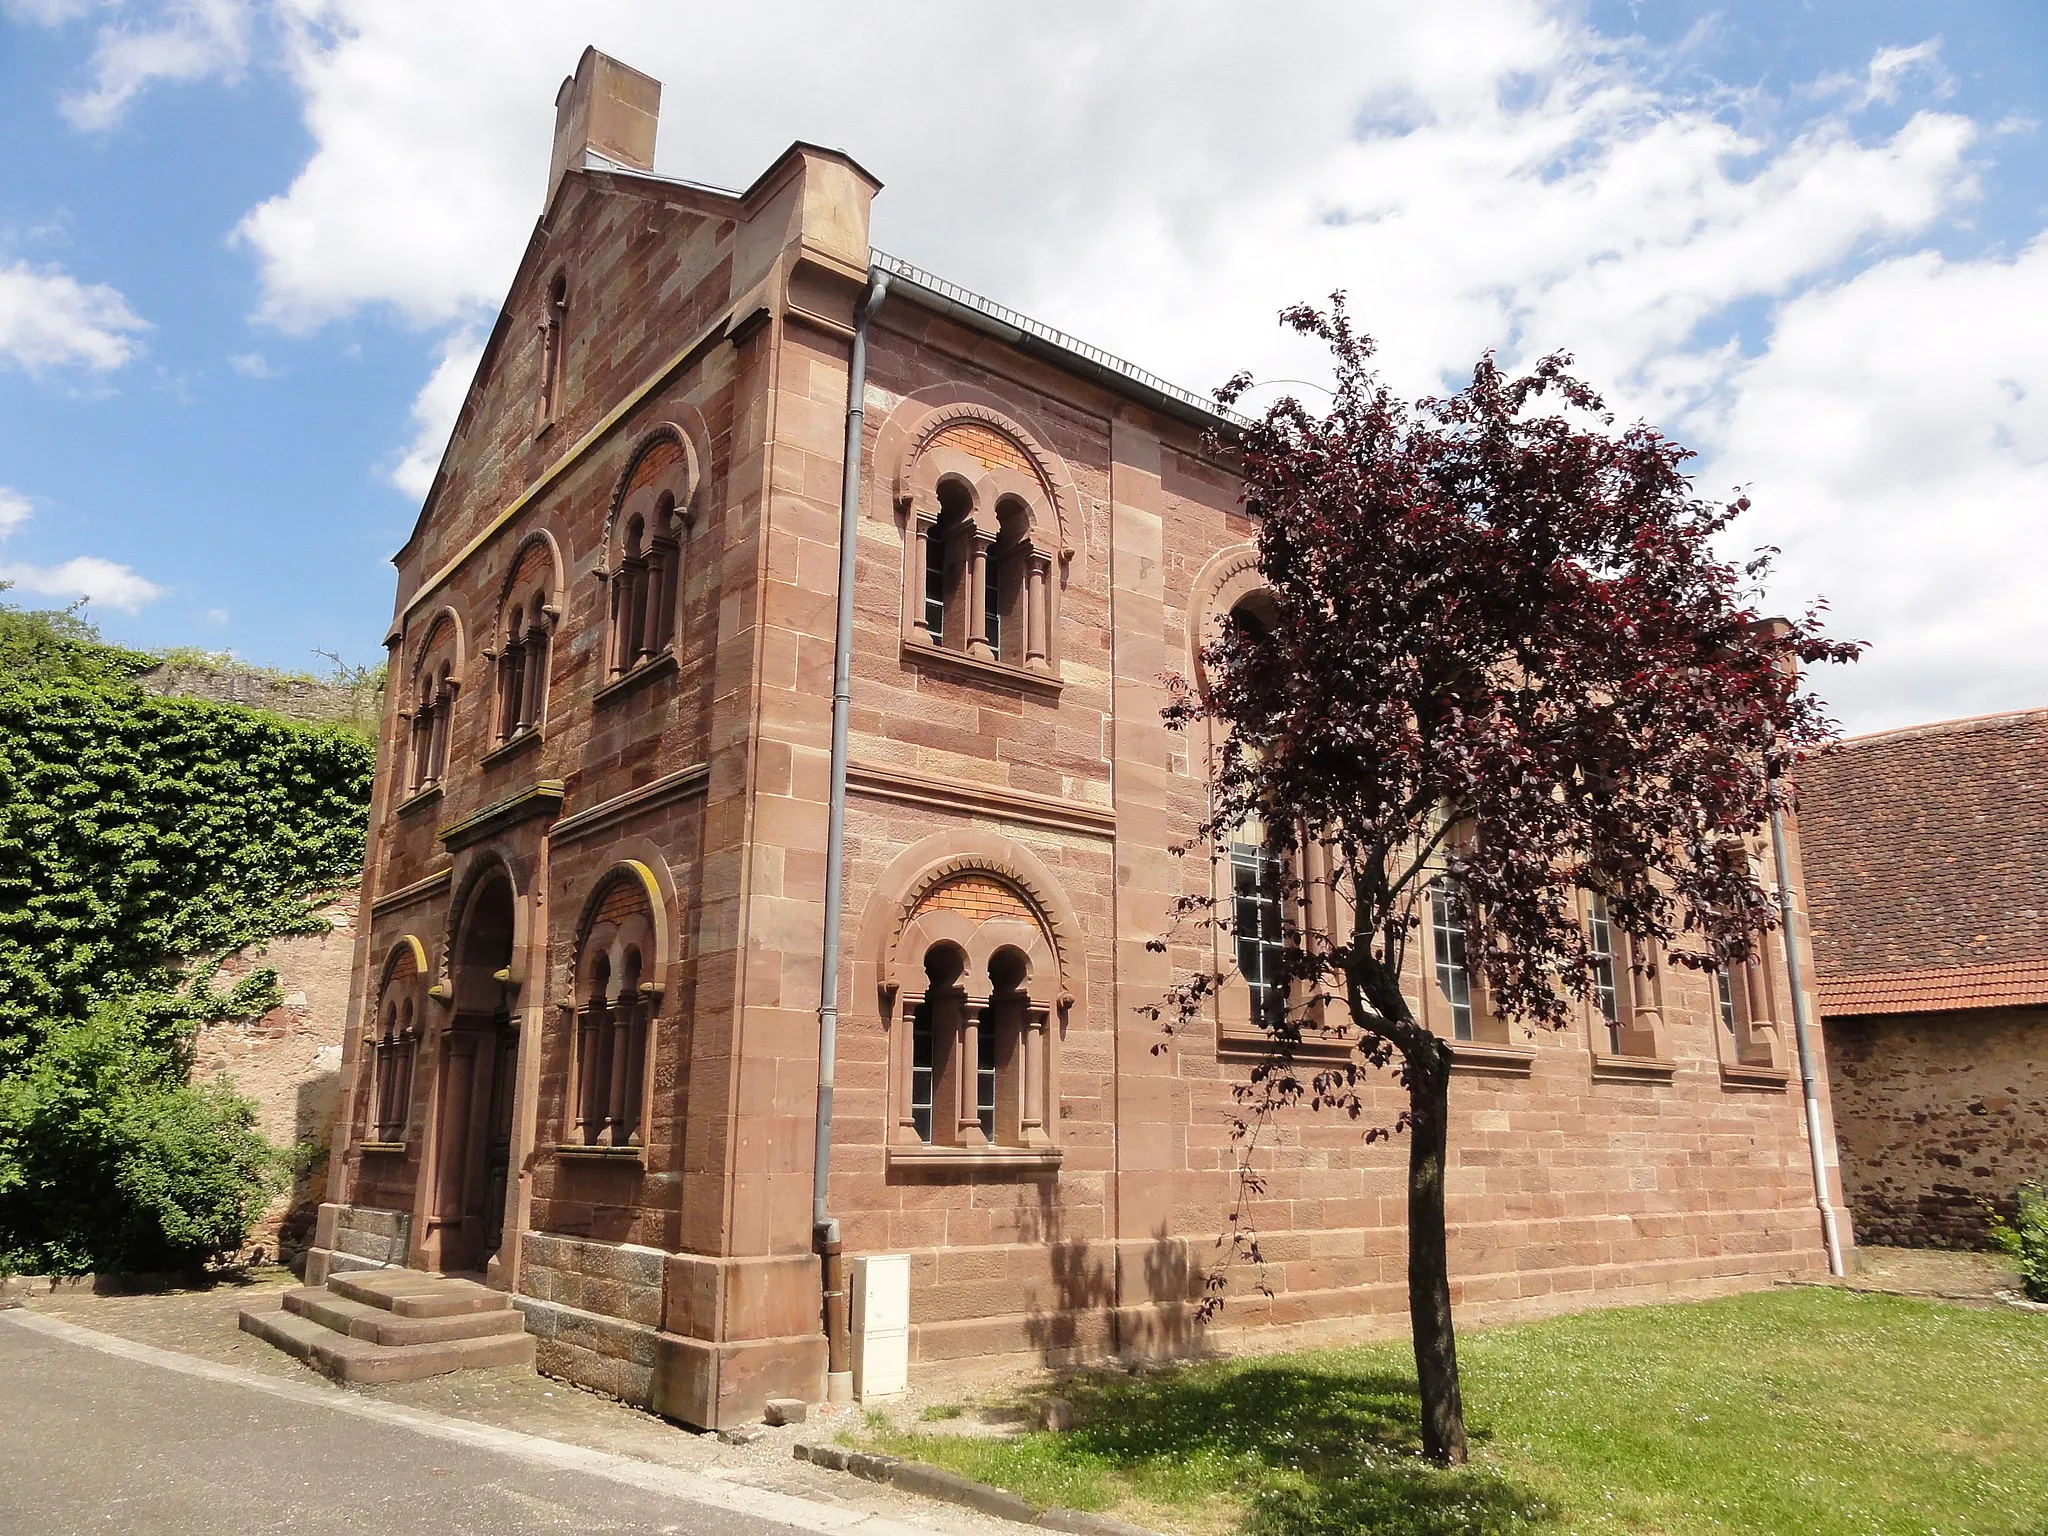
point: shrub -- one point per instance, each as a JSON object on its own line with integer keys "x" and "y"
{"x": 2025, "y": 1237}
{"x": 111, "y": 1160}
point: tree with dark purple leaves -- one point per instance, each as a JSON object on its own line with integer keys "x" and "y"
{"x": 1499, "y": 666}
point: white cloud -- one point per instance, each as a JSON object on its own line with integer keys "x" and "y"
{"x": 1484, "y": 173}
{"x": 434, "y": 411}
{"x": 48, "y": 319}
{"x": 216, "y": 615}
{"x": 193, "y": 40}
{"x": 1896, "y": 434}
{"x": 83, "y": 576}
{"x": 15, "y": 509}
{"x": 48, "y": 13}
{"x": 251, "y": 365}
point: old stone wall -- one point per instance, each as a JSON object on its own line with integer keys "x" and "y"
{"x": 296, "y": 698}
{"x": 1938, "y": 1113}
{"x": 289, "y": 1060}
{"x": 595, "y": 1309}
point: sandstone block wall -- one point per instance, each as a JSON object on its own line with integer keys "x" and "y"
{"x": 289, "y": 1060}
{"x": 595, "y": 1309}
{"x": 1938, "y": 1113}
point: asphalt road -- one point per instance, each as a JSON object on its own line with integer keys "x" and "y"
{"x": 99, "y": 1435}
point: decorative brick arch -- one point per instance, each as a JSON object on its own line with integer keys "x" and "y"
{"x": 669, "y": 457}
{"x": 430, "y": 643}
{"x": 651, "y": 884}
{"x": 983, "y": 427}
{"x": 1230, "y": 576}
{"x": 405, "y": 946}
{"x": 484, "y": 861}
{"x": 545, "y": 540}
{"x": 943, "y": 858}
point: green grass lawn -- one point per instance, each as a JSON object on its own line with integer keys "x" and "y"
{"x": 1782, "y": 1411}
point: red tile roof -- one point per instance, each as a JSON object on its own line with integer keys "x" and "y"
{"x": 1926, "y": 854}
{"x": 1942, "y": 989}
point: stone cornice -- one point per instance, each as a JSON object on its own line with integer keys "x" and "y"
{"x": 670, "y": 786}
{"x": 542, "y": 799}
{"x": 947, "y": 793}
{"x": 406, "y": 895}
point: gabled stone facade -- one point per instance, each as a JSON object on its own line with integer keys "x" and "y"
{"x": 585, "y": 1058}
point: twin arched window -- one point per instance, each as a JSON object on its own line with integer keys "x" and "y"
{"x": 526, "y": 627}
{"x": 983, "y": 532}
{"x": 973, "y": 1068}
{"x": 394, "y": 1045}
{"x": 435, "y": 685}
{"x": 986, "y": 587}
{"x": 643, "y": 552}
{"x": 643, "y": 595}
{"x": 617, "y": 994}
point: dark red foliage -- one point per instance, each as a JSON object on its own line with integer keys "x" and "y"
{"x": 1500, "y": 647}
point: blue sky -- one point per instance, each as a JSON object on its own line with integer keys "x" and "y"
{"x": 248, "y": 249}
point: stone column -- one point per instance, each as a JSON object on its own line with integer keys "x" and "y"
{"x": 1031, "y": 1118}
{"x": 903, "y": 1074}
{"x": 1037, "y": 612}
{"x": 977, "y": 595}
{"x": 967, "y": 1076}
{"x": 1645, "y": 1035}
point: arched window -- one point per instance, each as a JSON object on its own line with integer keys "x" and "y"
{"x": 553, "y": 335}
{"x": 394, "y": 1045}
{"x": 1627, "y": 994}
{"x": 984, "y": 530}
{"x": 644, "y": 561}
{"x": 434, "y": 688}
{"x": 617, "y": 996}
{"x": 524, "y": 643}
{"x": 973, "y": 1070}
{"x": 1744, "y": 1008}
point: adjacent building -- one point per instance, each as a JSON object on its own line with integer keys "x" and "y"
{"x": 585, "y": 1054}
{"x": 1927, "y": 861}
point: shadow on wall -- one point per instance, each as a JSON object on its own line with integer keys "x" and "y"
{"x": 1087, "y": 1314}
{"x": 318, "y": 1100}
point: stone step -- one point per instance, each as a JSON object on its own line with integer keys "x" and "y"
{"x": 413, "y": 1293}
{"x": 363, "y": 1362}
{"x": 359, "y": 1321}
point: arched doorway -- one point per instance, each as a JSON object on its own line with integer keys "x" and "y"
{"x": 478, "y": 1070}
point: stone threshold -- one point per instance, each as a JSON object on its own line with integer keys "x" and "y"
{"x": 951, "y": 1488}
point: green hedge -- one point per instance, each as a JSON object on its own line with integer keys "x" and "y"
{"x": 111, "y": 1160}
{"x": 138, "y": 833}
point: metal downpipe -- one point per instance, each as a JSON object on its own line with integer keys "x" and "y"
{"x": 1801, "y": 1022}
{"x": 824, "y": 1228}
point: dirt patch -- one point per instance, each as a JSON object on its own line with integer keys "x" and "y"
{"x": 1933, "y": 1272}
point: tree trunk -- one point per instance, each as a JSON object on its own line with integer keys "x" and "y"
{"x": 1429, "y": 1281}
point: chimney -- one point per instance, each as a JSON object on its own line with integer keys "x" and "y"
{"x": 606, "y": 107}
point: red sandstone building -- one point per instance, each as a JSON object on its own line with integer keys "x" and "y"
{"x": 1927, "y": 852}
{"x": 586, "y": 1053}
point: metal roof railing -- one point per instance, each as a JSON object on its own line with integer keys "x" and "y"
{"x": 1059, "y": 341}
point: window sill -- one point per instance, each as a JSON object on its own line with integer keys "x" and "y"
{"x": 647, "y": 671}
{"x": 982, "y": 1159}
{"x": 1313, "y": 1045}
{"x": 1632, "y": 1069}
{"x": 1491, "y": 1058}
{"x": 418, "y": 799}
{"x": 386, "y": 1147}
{"x": 577, "y": 1152}
{"x": 1750, "y": 1075}
{"x": 511, "y": 747}
{"x": 920, "y": 654}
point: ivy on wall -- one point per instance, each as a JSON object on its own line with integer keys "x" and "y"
{"x": 139, "y": 832}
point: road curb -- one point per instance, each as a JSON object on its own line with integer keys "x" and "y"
{"x": 937, "y": 1483}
